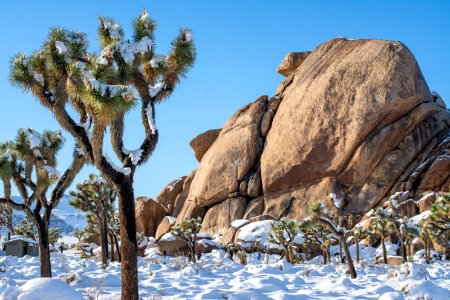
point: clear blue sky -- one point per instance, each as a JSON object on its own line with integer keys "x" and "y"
{"x": 240, "y": 44}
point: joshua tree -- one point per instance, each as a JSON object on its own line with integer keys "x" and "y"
{"x": 79, "y": 234}
{"x": 425, "y": 235}
{"x": 102, "y": 89}
{"x": 53, "y": 235}
{"x": 357, "y": 233}
{"x": 283, "y": 234}
{"x": 382, "y": 226}
{"x": 31, "y": 166}
{"x": 317, "y": 233}
{"x": 408, "y": 231}
{"x": 187, "y": 230}
{"x": 96, "y": 196}
{"x": 321, "y": 214}
{"x": 440, "y": 221}
{"x": 6, "y": 217}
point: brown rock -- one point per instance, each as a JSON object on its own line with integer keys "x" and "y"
{"x": 392, "y": 260}
{"x": 437, "y": 174}
{"x": 231, "y": 157}
{"x": 202, "y": 142}
{"x": 206, "y": 246}
{"x": 357, "y": 112}
{"x": 266, "y": 122}
{"x": 181, "y": 198}
{"x": 230, "y": 232}
{"x": 425, "y": 202}
{"x": 254, "y": 184}
{"x": 291, "y": 62}
{"x": 262, "y": 218}
{"x": 219, "y": 216}
{"x": 254, "y": 208}
{"x": 149, "y": 214}
{"x": 172, "y": 246}
{"x": 169, "y": 194}
{"x": 92, "y": 239}
{"x": 165, "y": 226}
{"x": 407, "y": 208}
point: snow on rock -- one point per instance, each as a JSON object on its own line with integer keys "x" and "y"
{"x": 49, "y": 289}
{"x": 257, "y": 231}
{"x": 168, "y": 237}
{"x": 336, "y": 201}
{"x": 172, "y": 220}
{"x": 239, "y": 223}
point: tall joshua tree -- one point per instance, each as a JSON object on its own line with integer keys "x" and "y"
{"x": 101, "y": 89}
{"x": 382, "y": 226}
{"x": 96, "y": 196}
{"x": 31, "y": 166}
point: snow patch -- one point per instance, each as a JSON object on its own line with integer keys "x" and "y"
{"x": 61, "y": 47}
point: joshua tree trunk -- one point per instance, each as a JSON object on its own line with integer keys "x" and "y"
{"x": 403, "y": 249}
{"x": 341, "y": 258}
{"x": 427, "y": 250}
{"x": 351, "y": 267}
{"x": 357, "y": 249}
{"x": 324, "y": 252}
{"x": 288, "y": 253}
{"x": 44, "y": 250}
{"x": 111, "y": 242}
{"x": 128, "y": 239}
{"x": 383, "y": 246}
{"x": 104, "y": 238}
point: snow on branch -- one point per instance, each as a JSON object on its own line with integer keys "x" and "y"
{"x": 150, "y": 119}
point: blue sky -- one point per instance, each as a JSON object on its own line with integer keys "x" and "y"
{"x": 239, "y": 44}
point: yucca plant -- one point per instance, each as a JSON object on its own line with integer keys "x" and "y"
{"x": 382, "y": 226}
{"x": 187, "y": 231}
{"x": 283, "y": 234}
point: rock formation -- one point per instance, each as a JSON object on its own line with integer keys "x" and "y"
{"x": 353, "y": 117}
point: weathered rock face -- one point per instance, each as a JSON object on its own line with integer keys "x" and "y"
{"x": 169, "y": 194}
{"x": 219, "y": 216}
{"x": 149, "y": 215}
{"x": 202, "y": 142}
{"x": 230, "y": 158}
{"x": 165, "y": 226}
{"x": 353, "y": 117}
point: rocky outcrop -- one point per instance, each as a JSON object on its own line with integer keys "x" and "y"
{"x": 164, "y": 227}
{"x": 149, "y": 215}
{"x": 291, "y": 62}
{"x": 353, "y": 117}
{"x": 169, "y": 194}
{"x": 202, "y": 142}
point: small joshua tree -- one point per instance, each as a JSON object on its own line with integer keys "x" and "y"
{"x": 425, "y": 236}
{"x": 187, "y": 230}
{"x": 321, "y": 214}
{"x": 53, "y": 235}
{"x": 408, "y": 232}
{"x": 96, "y": 196}
{"x": 317, "y": 233}
{"x": 102, "y": 88}
{"x": 357, "y": 234}
{"x": 440, "y": 221}
{"x": 382, "y": 226}
{"x": 31, "y": 165}
{"x": 283, "y": 234}
{"x": 79, "y": 234}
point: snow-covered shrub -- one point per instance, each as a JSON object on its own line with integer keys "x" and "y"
{"x": 180, "y": 262}
{"x": 382, "y": 226}
{"x": 187, "y": 230}
{"x": 283, "y": 234}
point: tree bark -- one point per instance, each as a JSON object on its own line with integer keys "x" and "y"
{"x": 351, "y": 267}
{"x": 44, "y": 250}
{"x": 111, "y": 242}
{"x": 357, "y": 249}
{"x": 384, "y": 250}
{"x": 341, "y": 258}
{"x": 104, "y": 238}
{"x": 403, "y": 249}
{"x": 128, "y": 240}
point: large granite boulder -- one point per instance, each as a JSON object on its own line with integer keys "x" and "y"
{"x": 202, "y": 142}
{"x": 149, "y": 214}
{"x": 169, "y": 194}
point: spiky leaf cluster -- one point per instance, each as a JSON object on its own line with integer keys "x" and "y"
{"x": 382, "y": 225}
{"x": 283, "y": 232}
{"x": 26, "y": 229}
{"x": 439, "y": 223}
{"x": 54, "y": 234}
{"x": 187, "y": 229}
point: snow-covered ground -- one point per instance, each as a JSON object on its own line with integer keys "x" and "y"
{"x": 217, "y": 277}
